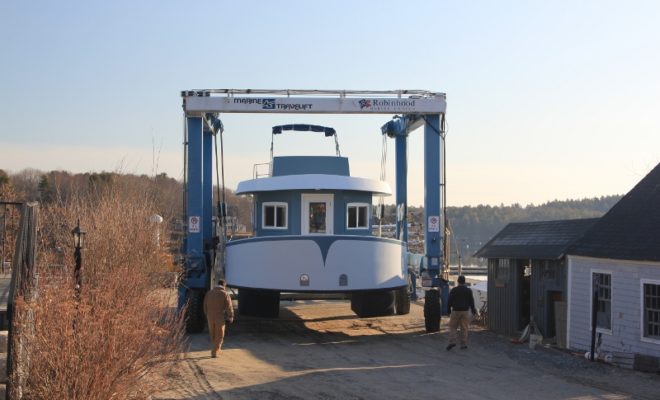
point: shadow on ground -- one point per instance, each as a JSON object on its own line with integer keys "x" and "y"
{"x": 323, "y": 351}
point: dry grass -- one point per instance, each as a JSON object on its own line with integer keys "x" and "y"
{"x": 114, "y": 339}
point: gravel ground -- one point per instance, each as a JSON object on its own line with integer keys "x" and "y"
{"x": 320, "y": 350}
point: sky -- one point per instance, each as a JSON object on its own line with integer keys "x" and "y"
{"x": 545, "y": 99}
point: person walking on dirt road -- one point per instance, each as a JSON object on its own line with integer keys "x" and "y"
{"x": 460, "y": 300}
{"x": 219, "y": 311}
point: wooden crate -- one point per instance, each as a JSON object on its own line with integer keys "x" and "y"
{"x": 623, "y": 360}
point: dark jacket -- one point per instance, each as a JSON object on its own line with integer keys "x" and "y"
{"x": 461, "y": 299}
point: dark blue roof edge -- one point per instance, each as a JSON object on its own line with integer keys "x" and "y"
{"x": 532, "y": 251}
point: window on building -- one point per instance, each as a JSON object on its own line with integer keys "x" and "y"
{"x": 604, "y": 300}
{"x": 549, "y": 270}
{"x": 651, "y": 293}
{"x": 274, "y": 215}
{"x": 502, "y": 274}
{"x": 357, "y": 216}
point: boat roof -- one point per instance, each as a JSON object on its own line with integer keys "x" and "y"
{"x": 314, "y": 182}
{"x": 296, "y": 165}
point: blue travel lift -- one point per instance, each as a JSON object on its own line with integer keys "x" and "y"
{"x": 203, "y": 245}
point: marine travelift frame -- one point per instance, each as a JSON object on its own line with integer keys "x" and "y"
{"x": 412, "y": 109}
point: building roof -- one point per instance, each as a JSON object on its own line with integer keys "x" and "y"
{"x": 545, "y": 240}
{"x": 631, "y": 229}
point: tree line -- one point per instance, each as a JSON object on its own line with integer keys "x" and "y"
{"x": 471, "y": 226}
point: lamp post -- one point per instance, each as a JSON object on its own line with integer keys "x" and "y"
{"x": 78, "y": 243}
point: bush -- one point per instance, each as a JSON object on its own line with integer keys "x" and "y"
{"x": 114, "y": 337}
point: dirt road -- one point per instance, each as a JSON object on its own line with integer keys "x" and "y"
{"x": 320, "y": 350}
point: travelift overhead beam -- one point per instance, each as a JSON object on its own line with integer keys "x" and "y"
{"x": 313, "y": 101}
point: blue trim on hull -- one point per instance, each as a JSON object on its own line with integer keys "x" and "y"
{"x": 319, "y": 291}
{"x": 314, "y": 237}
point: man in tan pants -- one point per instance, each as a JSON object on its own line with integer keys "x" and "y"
{"x": 218, "y": 310}
{"x": 460, "y": 301}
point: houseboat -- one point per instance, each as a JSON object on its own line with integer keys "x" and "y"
{"x": 312, "y": 225}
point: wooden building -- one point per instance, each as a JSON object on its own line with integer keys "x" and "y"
{"x": 527, "y": 273}
{"x": 619, "y": 257}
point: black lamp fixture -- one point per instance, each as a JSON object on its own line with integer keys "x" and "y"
{"x": 78, "y": 243}
{"x": 78, "y": 236}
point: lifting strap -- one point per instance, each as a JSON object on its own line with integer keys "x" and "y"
{"x": 383, "y": 175}
{"x": 219, "y": 261}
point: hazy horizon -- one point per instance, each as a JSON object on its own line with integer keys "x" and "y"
{"x": 545, "y": 100}
{"x": 375, "y": 200}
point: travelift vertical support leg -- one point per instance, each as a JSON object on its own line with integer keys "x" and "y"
{"x": 194, "y": 251}
{"x": 433, "y": 222}
{"x": 433, "y": 219}
{"x": 207, "y": 217}
{"x": 192, "y": 288}
{"x": 401, "y": 141}
{"x": 207, "y": 180}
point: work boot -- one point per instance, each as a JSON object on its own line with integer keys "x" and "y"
{"x": 451, "y": 346}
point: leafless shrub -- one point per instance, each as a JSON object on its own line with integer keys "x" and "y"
{"x": 114, "y": 337}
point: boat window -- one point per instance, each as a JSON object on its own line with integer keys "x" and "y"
{"x": 357, "y": 216}
{"x": 274, "y": 215}
{"x": 317, "y": 217}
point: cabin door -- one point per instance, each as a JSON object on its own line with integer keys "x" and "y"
{"x": 317, "y": 216}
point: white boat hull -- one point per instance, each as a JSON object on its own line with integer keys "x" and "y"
{"x": 316, "y": 263}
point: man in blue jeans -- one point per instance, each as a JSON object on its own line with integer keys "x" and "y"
{"x": 460, "y": 301}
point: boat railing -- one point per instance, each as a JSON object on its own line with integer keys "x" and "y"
{"x": 262, "y": 170}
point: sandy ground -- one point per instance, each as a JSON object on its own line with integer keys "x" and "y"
{"x": 321, "y": 350}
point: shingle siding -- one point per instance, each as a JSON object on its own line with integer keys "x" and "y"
{"x": 626, "y": 331}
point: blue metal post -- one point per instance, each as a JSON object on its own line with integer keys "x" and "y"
{"x": 433, "y": 218}
{"x": 401, "y": 141}
{"x": 432, "y": 200}
{"x": 194, "y": 246}
{"x": 398, "y": 129}
{"x": 207, "y": 181}
{"x": 195, "y": 197}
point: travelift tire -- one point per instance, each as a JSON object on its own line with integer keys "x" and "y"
{"x": 259, "y": 303}
{"x": 377, "y": 303}
{"x": 402, "y": 299}
{"x": 195, "y": 319}
{"x": 432, "y": 310}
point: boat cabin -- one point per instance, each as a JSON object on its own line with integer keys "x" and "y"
{"x": 312, "y": 223}
{"x": 312, "y": 195}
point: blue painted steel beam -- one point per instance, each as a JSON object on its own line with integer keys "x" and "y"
{"x": 433, "y": 207}
{"x": 401, "y": 142}
{"x": 432, "y": 200}
{"x": 194, "y": 257}
{"x": 194, "y": 195}
{"x": 398, "y": 129}
{"x": 207, "y": 182}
